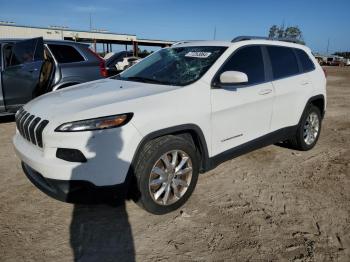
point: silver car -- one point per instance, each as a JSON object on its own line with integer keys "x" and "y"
{"x": 32, "y": 67}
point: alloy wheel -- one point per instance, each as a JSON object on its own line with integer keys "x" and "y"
{"x": 170, "y": 177}
{"x": 311, "y": 128}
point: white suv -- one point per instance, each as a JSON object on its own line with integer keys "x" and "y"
{"x": 179, "y": 112}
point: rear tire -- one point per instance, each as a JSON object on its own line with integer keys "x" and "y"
{"x": 166, "y": 173}
{"x": 308, "y": 130}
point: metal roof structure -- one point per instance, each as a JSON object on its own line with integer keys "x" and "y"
{"x": 8, "y": 30}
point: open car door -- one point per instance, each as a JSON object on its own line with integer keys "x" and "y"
{"x": 23, "y": 62}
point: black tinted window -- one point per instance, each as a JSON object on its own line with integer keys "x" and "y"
{"x": 65, "y": 53}
{"x": 247, "y": 60}
{"x": 7, "y": 52}
{"x": 22, "y": 55}
{"x": 22, "y": 52}
{"x": 283, "y": 60}
{"x": 305, "y": 61}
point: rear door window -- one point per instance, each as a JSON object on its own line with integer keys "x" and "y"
{"x": 7, "y": 52}
{"x": 283, "y": 60}
{"x": 22, "y": 52}
{"x": 65, "y": 53}
{"x": 305, "y": 61}
{"x": 248, "y": 60}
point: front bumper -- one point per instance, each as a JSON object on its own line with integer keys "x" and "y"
{"x": 74, "y": 191}
{"x": 108, "y": 153}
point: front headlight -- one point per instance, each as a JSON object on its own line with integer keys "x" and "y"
{"x": 95, "y": 123}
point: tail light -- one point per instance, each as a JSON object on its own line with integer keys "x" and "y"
{"x": 324, "y": 71}
{"x": 102, "y": 64}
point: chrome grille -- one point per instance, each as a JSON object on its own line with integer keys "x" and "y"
{"x": 30, "y": 127}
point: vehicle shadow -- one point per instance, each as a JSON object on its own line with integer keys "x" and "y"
{"x": 7, "y": 119}
{"x": 285, "y": 144}
{"x": 100, "y": 231}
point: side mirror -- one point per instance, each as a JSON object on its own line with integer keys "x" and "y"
{"x": 233, "y": 77}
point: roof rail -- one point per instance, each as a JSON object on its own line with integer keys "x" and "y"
{"x": 185, "y": 42}
{"x": 291, "y": 40}
{"x": 247, "y": 37}
{"x": 180, "y": 42}
{"x": 284, "y": 39}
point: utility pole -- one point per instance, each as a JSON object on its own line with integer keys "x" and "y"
{"x": 214, "y": 32}
{"x": 90, "y": 22}
{"x": 327, "y": 46}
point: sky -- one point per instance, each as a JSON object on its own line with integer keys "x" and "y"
{"x": 319, "y": 20}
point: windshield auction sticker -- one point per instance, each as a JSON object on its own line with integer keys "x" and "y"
{"x": 198, "y": 54}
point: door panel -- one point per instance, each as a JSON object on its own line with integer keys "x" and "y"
{"x": 292, "y": 87}
{"x": 240, "y": 116}
{"x": 242, "y": 113}
{"x": 20, "y": 78}
{"x": 290, "y": 100}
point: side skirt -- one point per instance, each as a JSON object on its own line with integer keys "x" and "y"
{"x": 269, "y": 139}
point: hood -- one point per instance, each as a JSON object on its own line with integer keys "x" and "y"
{"x": 101, "y": 93}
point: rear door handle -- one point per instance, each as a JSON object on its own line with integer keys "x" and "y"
{"x": 304, "y": 83}
{"x": 265, "y": 91}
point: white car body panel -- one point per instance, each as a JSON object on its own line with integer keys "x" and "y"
{"x": 108, "y": 157}
{"x": 289, "y": 100}
{"x": 228, "y": 106}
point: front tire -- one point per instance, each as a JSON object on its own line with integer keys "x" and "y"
{"x": 166, "y": 173}
{"x": 309, "y": 129}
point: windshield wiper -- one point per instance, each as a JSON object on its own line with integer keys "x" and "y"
{"x": 116, "y": 77}
{"x": 144, "y": 79}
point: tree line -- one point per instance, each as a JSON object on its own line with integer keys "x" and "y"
{"x": 290, "y": 32}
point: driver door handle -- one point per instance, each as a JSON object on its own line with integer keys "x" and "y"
{"x": 265, "y": 91}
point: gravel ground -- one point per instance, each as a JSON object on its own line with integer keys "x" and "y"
{"x": 273, "y": 204}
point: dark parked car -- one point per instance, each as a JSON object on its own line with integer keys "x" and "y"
{"x": 32, "y": 67}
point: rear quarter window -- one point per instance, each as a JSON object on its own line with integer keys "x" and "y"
{"x": 65, "y": 53}
{"x": 283, "y": 61}
{"x": 305, "y": 61}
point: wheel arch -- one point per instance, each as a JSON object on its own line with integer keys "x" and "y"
{"x": 195, "y": 133}
{"x": 319, "y": 102}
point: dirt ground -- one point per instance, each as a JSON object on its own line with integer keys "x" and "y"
{"x": 273, "y": 204}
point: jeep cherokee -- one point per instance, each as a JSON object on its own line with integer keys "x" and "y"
{"x": 179, "y": 112}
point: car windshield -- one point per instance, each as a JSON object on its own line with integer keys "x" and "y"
{"x": 178, "y": 66}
